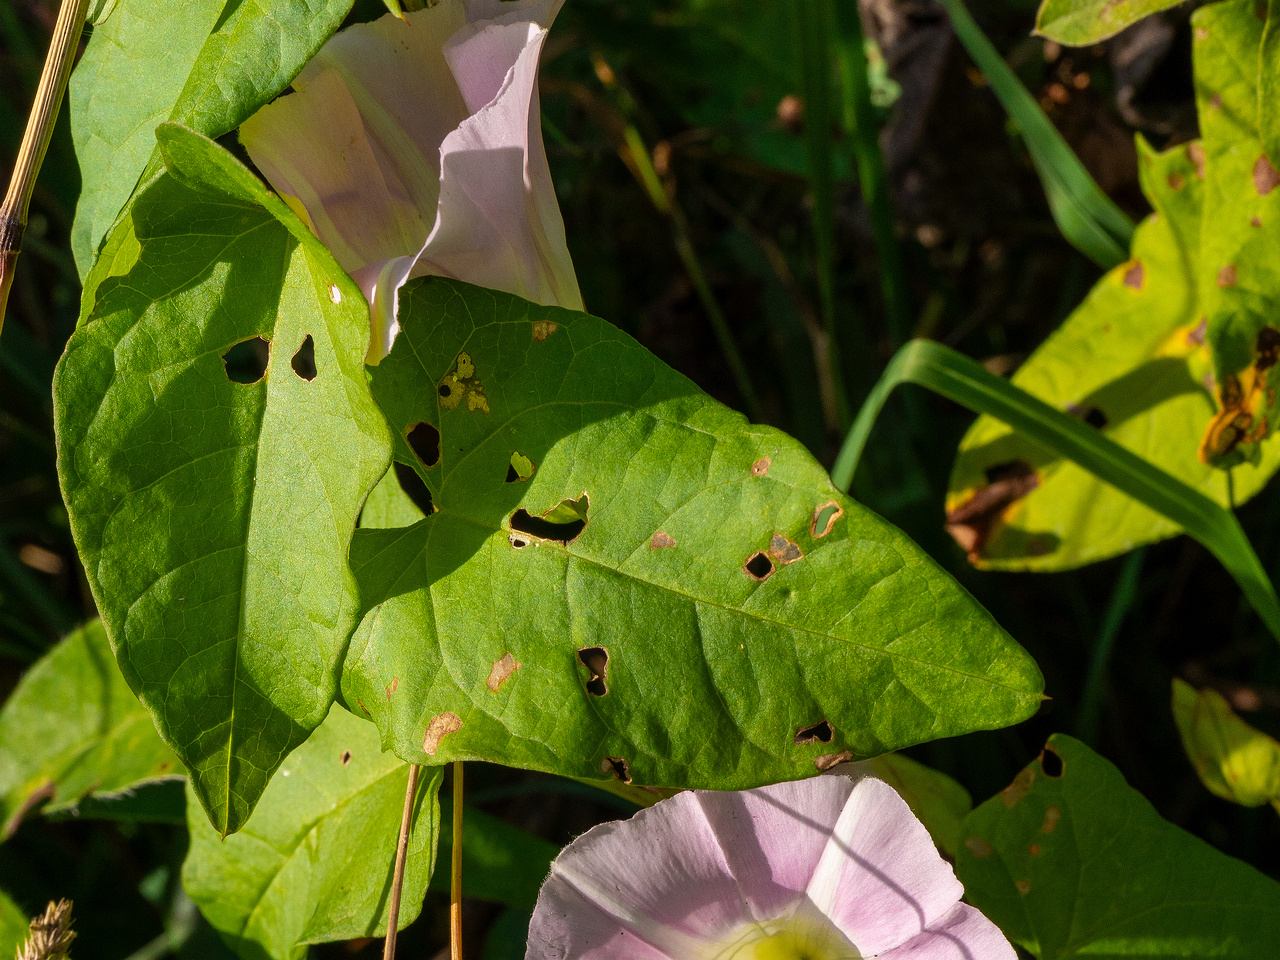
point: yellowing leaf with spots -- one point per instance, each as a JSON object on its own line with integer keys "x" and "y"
{"x": 1073, "y": 862}
{"x": 1131, "y": 361}
{"x": 668, "y": 595}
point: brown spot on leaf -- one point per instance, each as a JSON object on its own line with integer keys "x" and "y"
{"x": 1242, "y": 399}
{"x": 825, "y": 516}
{"x": 345, "y": 758}
{"x": 460, "y": 384}
{"x": 1176, "y": 181}
{"x": 364, "y": 709}
{"x": 1255, "y": 221}
{"x": 1035, "y": 849}
{"x": 1195, "y": 336}
{"x": 1265, "y": 177}
{"x": 617, "y": 766}
{"x": 829, "y": 760}
{"x": 1023, "y": 887}
{"x": 758, "y": 566}
{"x": 392, "y": 687}
{"x": 1020, "y": 787}
{"x": 1228, "y": 276}
{"x": 1051, "y": 818}
{"x": 1195, "y": 153}
{"x": 1134, "y": 275}
{"x": 543, "y": 329}
{"x": 783, "y": 551}
{"x": 820, "y": 732}
{"x": 502, "y": 668}
{"x": 971, "y": 522}
{"x": 978, "y": 847}
{"x": 661, "y": 540}
{"x": 761, "y": 466}
{"x": 440, "y": 727}
{"x": 596, "y": 660}
{"x": 1215, "y": 102}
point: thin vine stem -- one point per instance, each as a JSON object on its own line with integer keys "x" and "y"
{"x": 402, "y": 855}
{"x": 455, "y": 869}
{"x": 35, "y": 140}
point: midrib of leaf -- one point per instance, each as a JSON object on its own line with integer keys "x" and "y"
{"x": 286, "y": 857}
{"x": 725, "y": 607}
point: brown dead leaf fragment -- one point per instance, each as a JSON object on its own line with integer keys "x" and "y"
{"x": 502, "y": 669}
{"x": 1265, "y": 176}
{"x": 661, "y": 540}
{"x": 1242, "y": 399}
{"x": 761, "y": 466}
{"x": 439, "y": 728}
{"x": 1134, "y": 275}
{"x": 970, "y": 523}
{"x": 783, "y": 551}
{"x": 1020, "y": 787}
{"x": 49, "y": 936}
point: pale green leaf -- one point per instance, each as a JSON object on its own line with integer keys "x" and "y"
{"x": 214, "y": 516}
{"x": 1079, "y": 864}
{"x": 13, "y": 927}
{"x": 208, "y": 64}
{"x": 72, "y": 728}
{"x": 1234, "y": 760}
{"x": 1130, "y": 361}
{"x": 645, "y": 648}
{"x": 314, "y": 862}
{"x": 1079, "y": 23}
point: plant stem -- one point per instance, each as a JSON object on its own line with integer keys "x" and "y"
{"x": 455, "y": 869}
{"x": 35, "y": 141}
{"x": 1121, "y": 602}
{"x": 858, "y": 120}
{"x": 402, "y": 854}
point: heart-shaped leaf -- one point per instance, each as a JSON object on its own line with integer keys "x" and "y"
{"x": 216, "y": 439}
{"x": 673, "y": 596}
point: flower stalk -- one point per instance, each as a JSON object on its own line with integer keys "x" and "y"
{"x": 402, "y": 854}
{"x": 35, "y": 141}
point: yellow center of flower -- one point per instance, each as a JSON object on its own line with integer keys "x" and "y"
{"x": 798, "y": 937}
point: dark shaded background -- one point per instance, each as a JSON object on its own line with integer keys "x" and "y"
{"x": 989, "y": 275}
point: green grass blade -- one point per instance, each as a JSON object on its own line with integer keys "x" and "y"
{"x": 968, "y": 383}
{"x": 1086, "y": 216}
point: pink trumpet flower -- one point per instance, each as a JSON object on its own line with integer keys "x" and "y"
{"x": 415, "y": 149}
{"x": 822, "y": 869}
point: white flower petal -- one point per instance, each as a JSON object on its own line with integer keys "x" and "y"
{"x": 963, "y": 934}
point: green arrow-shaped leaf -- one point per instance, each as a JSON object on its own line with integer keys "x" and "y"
{"x": 314, "y": 862}
{"x": 207, "y": 64}
{"x": 1071, "y": 861}
{"x": 674, "y": 596}
{"x": 213, "y": 514}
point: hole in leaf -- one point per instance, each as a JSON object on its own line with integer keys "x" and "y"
{"x": 346, "y": 757}
{"x": 304, "y": 361}
{"x": 820, "y": 732}
{"x": 519, "y": 469}
{"x": 618, "y": 767}
{"x": 561, "y": 524}
{"x": 1051, "y": 763}
{"x": 246, "y": 361}
{"x": 1091, "y": 415}
{"x": 414, "y": 488}
{"x": 758, "y": 566}
{"x": 825, "y": 516}
{"x": 424, "y": 441}
{"x": 596, "y": 660}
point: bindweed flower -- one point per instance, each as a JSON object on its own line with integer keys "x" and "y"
{"x": 415, "y": 149}
{"x": 821, "y": 869}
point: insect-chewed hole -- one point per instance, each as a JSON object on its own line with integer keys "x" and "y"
{"x": 820, "y": 732}
{"x": 825, "y": 516}
{"x": 346, "y": 757}
{"x": 596, "y": 660}
{"x": 561, "y": 524}
{"x": 759, "y": 566}
{"x": 304, "y": 361}
{"x": 519, "y": 468}
{"x": 424, "y": 441}
{"x": 618, "y": 767}
{"x": 414, "y": 488}
{"x": 246, "y": 361}
{"x": 1093, "y": 416}
{"x": 1051, "y": 763}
